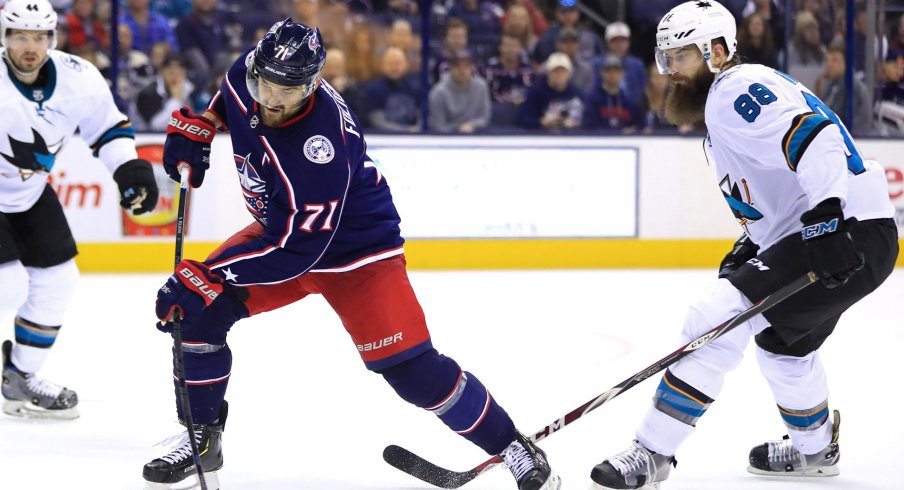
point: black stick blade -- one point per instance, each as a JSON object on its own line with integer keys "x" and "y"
{"x": 424, "y": 470}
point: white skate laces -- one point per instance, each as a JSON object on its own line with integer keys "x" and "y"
{"x": 517, "y": 459}
{"x": 632, "y": 459}
{"x": 42, "y": 387}
{"x": 181, "y": 446}
{"x": 783, "y": 451}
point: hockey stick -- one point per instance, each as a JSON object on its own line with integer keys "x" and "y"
{"x": 178, "y": 365}
{"x": 419, "y": 467}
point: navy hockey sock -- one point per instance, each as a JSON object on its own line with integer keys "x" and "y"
{"x": 680, "y": 400}
{"x": 436, "y": 383}
{"x": 207, "y": 370}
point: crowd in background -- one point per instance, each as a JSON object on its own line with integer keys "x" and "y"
{"x": 493, "y": 65}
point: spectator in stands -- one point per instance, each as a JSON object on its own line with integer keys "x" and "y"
{"x": 158, "y": 53}
{"x": 455, "y": 40}
{"x": 62, "y": 34}
{"x": 607, "y": 106}
{"x": 773, "y": 15}
{"x": 148, "y": 27}
{"x": 460, "y": 102}
{"x": 536, "y": 20}
{"x": 893, "y": 71}
{"x": 393, "y": 101}
{"x": 582, "y": 75}
{"x": 175, "y": 10}
{"x": 135, "y": 70}
{"x": 824, "y": 13}
{"x": 335, "y": 72}
{"x": 860, "y": 28}
{"x": 806, "y": 54}
{"x": 897, "y": 41}
{"x": 208, "y": 35}
{"x": 618, "y": 44}
{"x": 170, "y": 91}
{"x": 553, "y": 102}
{"x": 328, "y": 17}
{"x": 756, "y": 41}
{"x": 483, "y": 19}
{"x": 84, "y": 26}
{"x": 362, "y": 62}
{"x": 400, "y": 9}
{"x": 401, "y": 36}
{"x": 830, "y": 88}
{"x": 510, "y": 74}
{"x": 567, "y": 15}
{"x": 518, "y": 23}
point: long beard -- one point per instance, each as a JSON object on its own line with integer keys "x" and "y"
{"x": 686, "y": 103}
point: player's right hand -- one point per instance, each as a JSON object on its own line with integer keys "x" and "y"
{"x": 744, "y": 249}
{"x": 191, "y": 289}
{"x": 188, "y": 138}
{"x": 831, "y": 251}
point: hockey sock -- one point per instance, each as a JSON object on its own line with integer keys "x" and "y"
{"x": 33, "y": 343}
{"x": 810, "y": 429}
{"x": 207, "y": 370}
{"x": 436, "y": 383}
{"x": 680, "y": 400}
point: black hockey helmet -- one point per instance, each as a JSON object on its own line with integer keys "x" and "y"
{"x": 290, "y": 54}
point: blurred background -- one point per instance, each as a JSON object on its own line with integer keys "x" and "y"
{"x": 474, "y": 108}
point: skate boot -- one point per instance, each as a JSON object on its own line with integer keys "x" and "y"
{"x": 529, "y": 465}
{"x": 781, "y": 458}
{"x": 176, "y": 470}
{"x": 26, "y": 395}
{"x": 635, "y": 467}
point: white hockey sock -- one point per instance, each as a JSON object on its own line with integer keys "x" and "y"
{"x": 661, "y": 433}
{"x": 29, "y": 359}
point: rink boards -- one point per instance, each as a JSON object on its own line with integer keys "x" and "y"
{"x": 465, "y": 202}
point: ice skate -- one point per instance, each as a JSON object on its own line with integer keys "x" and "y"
{"x": 781, "y": 458}
{"x": 26, "y": 395}
{"x": 528, "y": 464}
{"x": 634, "y": 468}
{"x": 176, "y": 470}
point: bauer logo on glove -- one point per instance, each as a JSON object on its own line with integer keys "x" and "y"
{"x": 203, "y": 288}
{"x": 191, "y": 289}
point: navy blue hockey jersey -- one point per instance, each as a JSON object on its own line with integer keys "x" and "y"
{"x": 324, "y": 205}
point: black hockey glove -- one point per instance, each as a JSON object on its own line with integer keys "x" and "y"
{"x": 188, "y": 139}
{"x": 744, "y": 249}
{"x": 831, "y": 251}
{"x": 137, "y": 186}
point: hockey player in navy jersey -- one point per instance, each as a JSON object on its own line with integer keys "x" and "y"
{"x": 807, "y": 201}
{"x": 324, "y": 223}
{"x": 46, "y": 96}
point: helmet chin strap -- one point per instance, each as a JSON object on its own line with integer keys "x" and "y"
{"x": 19, "y": 72}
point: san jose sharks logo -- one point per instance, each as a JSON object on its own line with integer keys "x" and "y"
{"x": 741, "y": 204}
{"x": 253, "y": 186}
{"x": 32, "y": 157}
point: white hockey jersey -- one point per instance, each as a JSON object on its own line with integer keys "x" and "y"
{"x": 36, "y": 122}
{"x": 779, "y": 151}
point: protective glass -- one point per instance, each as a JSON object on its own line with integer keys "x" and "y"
{"x": 270, "y": 94}
{"x": 674, "y": 60}
{"x": 37, "y": 40}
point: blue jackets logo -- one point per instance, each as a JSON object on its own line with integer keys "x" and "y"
{"x": 318, "y": 149}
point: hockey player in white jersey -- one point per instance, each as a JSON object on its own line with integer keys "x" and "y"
{"x": 806, "y": 200}
{"x": 46, "y": 96}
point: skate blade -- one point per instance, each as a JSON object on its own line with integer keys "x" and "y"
{"x": 817, "y": 472}
{"x": 554, "y": 482}
{"x": 191, "y": 483}
{"x": 651, "y": 486}
{"x": 19, "y": 408}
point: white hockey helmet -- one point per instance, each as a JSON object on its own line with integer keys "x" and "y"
{"x": 28, "y": 15}
{"x": 699, "y": 23}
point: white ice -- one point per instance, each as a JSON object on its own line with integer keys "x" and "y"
{"x": 305, "y": 414}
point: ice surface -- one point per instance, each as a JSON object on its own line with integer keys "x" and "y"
{"x": 305, "y": 414}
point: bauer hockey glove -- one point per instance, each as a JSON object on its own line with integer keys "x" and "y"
{"x": 744, "y": 249}
{"x": 831, "y": 251}
{"x": 191, "y": 289}
{"x": 188, "y": 138}
{"x": 137, "y": 186}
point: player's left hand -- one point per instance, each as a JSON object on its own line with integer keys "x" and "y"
{"x": 137, "y": 186}
{"x": 831, "y": 251}
{"x": 191, "y": 289}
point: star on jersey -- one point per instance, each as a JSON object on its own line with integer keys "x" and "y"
{"x": 229, "y": 275}
{"x": 33, "y": 157}
{"x": 248, "y": 177}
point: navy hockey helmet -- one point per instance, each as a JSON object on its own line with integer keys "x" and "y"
{"x": 290, "y": 54}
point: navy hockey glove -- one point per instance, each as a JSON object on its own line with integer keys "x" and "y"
{"x": 137, "y": 186}
{"x": 188, "y": 138}
{"x": 744, "y": 249}
{"x": 190, "y": 289}
{"x": 831, "y": 251}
